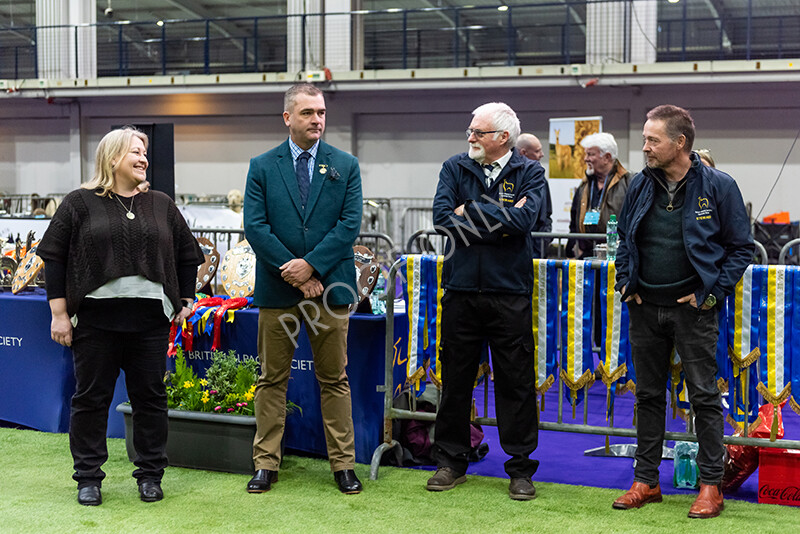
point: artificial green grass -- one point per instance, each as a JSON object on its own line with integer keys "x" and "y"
{"x": 38, "y": 495}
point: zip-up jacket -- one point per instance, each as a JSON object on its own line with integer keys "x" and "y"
{"x": 716, "y": 230}
{"x": 612, "y": 198}
{"x": 489, "y": 248}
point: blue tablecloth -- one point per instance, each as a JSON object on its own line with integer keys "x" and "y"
{"x": 36, "y": 374}
{"x": 35, "y": 371}
{"x": 365, "y": 371}
{"x": 38, "y": 381}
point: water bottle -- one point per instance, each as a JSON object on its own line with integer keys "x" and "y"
{"x": 685, "y": 472}
{"x": 376, "y": 298}
{"x": 611, "y": 238}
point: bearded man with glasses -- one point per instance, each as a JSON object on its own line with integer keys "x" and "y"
{"x": 486, "y": 203}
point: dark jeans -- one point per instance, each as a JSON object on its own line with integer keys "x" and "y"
{"x": 98, "y": 356}
{"x": 468, "y": 320}
{"x": 654, "y": 332}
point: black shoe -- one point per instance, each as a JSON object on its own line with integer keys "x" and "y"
{"x": 262, "y": 481}
{"x": 90, "y": 496}
{"x": 348, "y": 481}
{"x": 521, "y": 489}
{"x": 150, "y": 491}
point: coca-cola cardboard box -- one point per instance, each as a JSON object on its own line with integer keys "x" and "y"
{"x": 779, "y": 476}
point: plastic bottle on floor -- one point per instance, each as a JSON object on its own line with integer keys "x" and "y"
{"x": 685, "y": 474}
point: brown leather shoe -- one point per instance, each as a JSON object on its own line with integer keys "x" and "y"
{"x": 639, "y": 495}
{"x": 708, "y": 503}
{"x": 445, "y": 479}
{"x": 521, "y": 489}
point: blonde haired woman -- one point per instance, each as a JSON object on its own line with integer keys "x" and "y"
{"x": 120, "y": 264}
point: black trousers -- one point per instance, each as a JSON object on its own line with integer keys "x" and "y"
{"x": 468, "y": 321}
{"x": 654, "y": 332}
{"x": 98, "y": 355}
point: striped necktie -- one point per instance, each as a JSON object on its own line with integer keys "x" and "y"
{"x": 488, "y": 171}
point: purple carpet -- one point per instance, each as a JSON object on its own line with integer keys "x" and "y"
{"x": 561, "y": 453}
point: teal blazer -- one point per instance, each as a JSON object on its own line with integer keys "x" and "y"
{"x": 279, "y": 228}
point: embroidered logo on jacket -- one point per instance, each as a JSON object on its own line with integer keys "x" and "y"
{"x": 507, "y": 192}
{"x": 705, "y": 211}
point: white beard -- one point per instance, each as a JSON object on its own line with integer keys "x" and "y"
{"x": 477, "y": 153}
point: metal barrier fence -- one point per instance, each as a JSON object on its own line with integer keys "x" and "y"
{"x": 391, "y": 412}
{"x": 429, "y": 241}
{"x": 377, "y": 216}
{"x": 432, "y": 37}
{"x": 397, "y": 217}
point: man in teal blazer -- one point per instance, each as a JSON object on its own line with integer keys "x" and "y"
{"x": 302, "y": 214}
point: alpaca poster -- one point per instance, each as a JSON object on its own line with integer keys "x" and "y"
{"x": 566, "y": 162}
{"x": 566, "y": 153}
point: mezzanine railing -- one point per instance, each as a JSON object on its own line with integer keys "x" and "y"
{"x": 553, "y": 32}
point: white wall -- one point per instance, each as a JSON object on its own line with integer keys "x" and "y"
{"x": 751, "y": 147}
{"x": 35, "y": 156}
{"x": 402, "y": 137}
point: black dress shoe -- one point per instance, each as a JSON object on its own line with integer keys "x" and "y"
{"x": 262, "y": 481}
{"x": 150, "y": 491}
{"x": 90, "y": 496}
{"x": 348, "y": 481}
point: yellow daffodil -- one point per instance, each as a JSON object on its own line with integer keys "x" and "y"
{"x": 248, "y": 396}
{"x": 203, "y": 382}
{"x": 188, "y": 384}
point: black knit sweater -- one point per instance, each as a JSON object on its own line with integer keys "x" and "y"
{"x": 91, "y": 236}
{"x": 665, "y": 271}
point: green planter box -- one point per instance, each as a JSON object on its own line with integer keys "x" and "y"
{"x": 214, "y": 442}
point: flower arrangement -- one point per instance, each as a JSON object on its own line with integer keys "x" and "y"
{"x": 228, "y": 388}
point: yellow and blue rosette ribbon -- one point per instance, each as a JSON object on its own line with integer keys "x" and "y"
{"x": 776, "y": 342}
{"x": 743, "y": 331}
{"x": 577, "y": 290}
{"x": 544, "y": 305}
{"x": 615, "y": 350}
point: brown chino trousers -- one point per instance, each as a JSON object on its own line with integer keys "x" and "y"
{"x": 278, "y": 330}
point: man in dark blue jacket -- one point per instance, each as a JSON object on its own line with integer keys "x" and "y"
{"x": 685, "y": 242}
{"x": 486, "y": 203}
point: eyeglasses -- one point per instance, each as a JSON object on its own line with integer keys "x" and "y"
{"x": 478, "y": 133}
